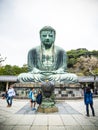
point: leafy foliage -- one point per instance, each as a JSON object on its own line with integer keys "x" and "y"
{"x": 87, "y": 65}
{"x": 83, "y": 62}
{"x": 12, "y": 70}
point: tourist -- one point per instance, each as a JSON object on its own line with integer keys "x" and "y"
{"x": 88, "y": 99}
{"x": 10, "y": 95}
{"x": 32, "y": 96}
{"x": 39, "y": 97}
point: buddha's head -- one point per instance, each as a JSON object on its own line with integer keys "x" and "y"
{"x": 47, "y": 36}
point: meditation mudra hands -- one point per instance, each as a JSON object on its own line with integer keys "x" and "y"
{"x": 47, "y": 62}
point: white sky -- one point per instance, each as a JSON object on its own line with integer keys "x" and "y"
{"x": 75, "y": 22}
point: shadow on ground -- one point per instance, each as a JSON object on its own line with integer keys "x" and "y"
{"x": 63, "y": 108}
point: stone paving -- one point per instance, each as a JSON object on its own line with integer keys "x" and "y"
{"x": 71, "y": 116}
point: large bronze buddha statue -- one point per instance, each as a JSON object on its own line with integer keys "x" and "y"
{"x": 47, "y": 61}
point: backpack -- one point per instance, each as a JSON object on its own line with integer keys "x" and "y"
{"x": 30, "y": 94}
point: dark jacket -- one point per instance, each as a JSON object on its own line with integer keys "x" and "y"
{"x": 39, "y": 98}
{"x": 88, "y": 98}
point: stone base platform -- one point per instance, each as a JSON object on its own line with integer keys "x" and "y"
{"x": 48, "y": 109}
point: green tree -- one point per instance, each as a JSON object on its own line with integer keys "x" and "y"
{"x": 74, "y": 54}
{"x": 12, "y": 70}
{"x": 86, "y": 65}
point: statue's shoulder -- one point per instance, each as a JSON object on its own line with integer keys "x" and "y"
{"x": 59, "y": 49}
{"x": 34, "y": 49}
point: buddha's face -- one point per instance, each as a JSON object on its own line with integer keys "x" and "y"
{"x": 47, "y": 38}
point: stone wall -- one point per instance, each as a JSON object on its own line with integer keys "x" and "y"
{"x": 60, "y": 93}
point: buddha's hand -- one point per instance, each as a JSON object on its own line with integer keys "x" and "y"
{"x": 59, "y": 71}
{"x": 55, "y": 77}
{"x": 38, "y": 77}
{"x": 48, "y": 72}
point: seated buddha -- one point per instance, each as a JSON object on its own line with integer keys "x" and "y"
{"x": 47, "y": 61}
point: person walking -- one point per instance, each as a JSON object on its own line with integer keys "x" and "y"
{"x": 88, "y": 100}
{"x": 10, "y": 95}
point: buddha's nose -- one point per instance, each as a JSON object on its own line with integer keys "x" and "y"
{"x": 47, "y": 40}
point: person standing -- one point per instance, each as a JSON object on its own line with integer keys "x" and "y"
{"x": 39, "y": 97}
{"x": 88, "y": 100}
{"x": 32, "y": 96}
{"x": 10, "y": 95}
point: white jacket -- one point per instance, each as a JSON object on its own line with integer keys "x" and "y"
{"x": 11, "y": 92}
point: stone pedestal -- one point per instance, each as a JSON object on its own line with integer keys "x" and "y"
{"x": 48, "y": 101}
{"x": 48, "y": 109}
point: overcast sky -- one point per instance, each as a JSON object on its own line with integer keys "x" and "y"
{"x": 75, "y": 22}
